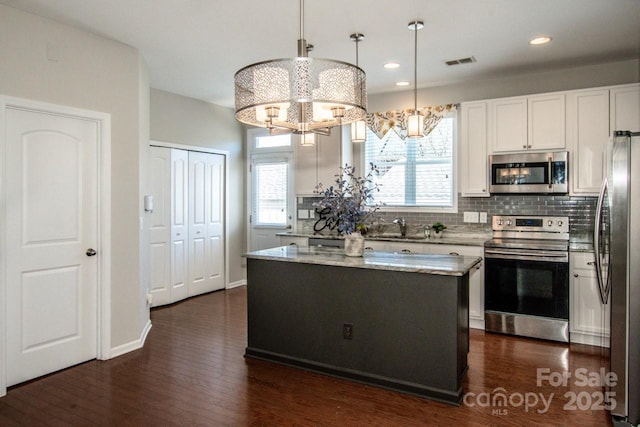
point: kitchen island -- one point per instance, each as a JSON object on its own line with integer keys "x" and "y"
{"x": 398, "y": 321}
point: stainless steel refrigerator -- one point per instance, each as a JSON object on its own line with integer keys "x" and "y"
{"x": 617, "y": 247}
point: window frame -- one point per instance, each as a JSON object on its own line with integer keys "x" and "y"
{"x": 454, "y": 189}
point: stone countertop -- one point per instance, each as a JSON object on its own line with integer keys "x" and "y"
{"x": 446, "y": 265}
{"x": 465, "y": 239}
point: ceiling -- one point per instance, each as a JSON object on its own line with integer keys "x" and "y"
{"x": 194, "y": 47}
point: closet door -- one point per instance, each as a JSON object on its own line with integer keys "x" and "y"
{"x": 179, "y": 224}
{"x": 206, "y": 258}
{"x": 160, "y": 225}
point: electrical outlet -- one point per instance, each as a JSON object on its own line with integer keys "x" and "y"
{"x": 312, "y": 213}
{"x": 483, "y": 217}
{"x": 300, "y": 200}
{"x": 471, "y": 217}
{"x": 303, "y": 214}
{"x": 347, "y": 331}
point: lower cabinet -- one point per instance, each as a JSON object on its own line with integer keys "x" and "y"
{"x": 302, "y": 242}
{"x": 589, "y": 319}
{"x": 476, "y": 279}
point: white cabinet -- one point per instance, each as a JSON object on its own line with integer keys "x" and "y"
{"x": 321, "y": 162}
{"x": 508, "y": 124}
{"x": 535, "y": 122}
{"x": 589, "y": 319}
{"x": 187, "y": 224}
{"x": 587, "y": 136}
{"x": 476, "y": 279}
{"x": 546, "y": 121}
{"x": 625, "y": 108}
{"x": 299, "y": 241}
{"x": 407, "y": 248}
{"x": 376, "y": 245}
{"x": 473, "y": 150}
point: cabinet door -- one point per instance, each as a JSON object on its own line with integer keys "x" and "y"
{"x": 589, "y": 318}
{"x": 406, "y": 248}
{"x": 546, "y": 122}
{"x": 302, "y": 242}
{"x": 625, "y": 108}
{"x": 473, "y": 150}
{"x": 588, "y": 132}
{"x": 508, "y": 119}
{"x": 376, "y": 245}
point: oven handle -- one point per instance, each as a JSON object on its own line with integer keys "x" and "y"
{"x": 562, "y": 257}
{"x": 549, "y": 172}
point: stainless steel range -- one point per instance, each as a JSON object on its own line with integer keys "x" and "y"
{"x": 527, "y": 277}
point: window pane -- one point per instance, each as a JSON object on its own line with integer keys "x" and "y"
{"x": 271, "y": 189}
{"x": 414, "y": 172}
{"x": 270, "y": 141}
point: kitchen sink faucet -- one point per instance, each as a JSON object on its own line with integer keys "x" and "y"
{"x": 403, "y": 226}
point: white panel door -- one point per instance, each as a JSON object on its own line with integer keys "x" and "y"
{"x": 205, "y": 223}
{"x": 51, "y": 228}
{"x": 160, "y": 225}
{"x": 215, "y": 228}
{"x": 508, "y": 118}
{"x": 179, "y": 224}
{"x": 546, "y": 122}
{"x": 473, "y": 155}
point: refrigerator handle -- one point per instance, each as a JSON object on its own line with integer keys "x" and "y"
{"x": 602, "y": 286}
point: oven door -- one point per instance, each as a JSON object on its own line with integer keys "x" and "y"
{"x": 527, "y": 282}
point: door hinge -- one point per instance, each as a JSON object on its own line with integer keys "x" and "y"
{"x": 249, "y": 219}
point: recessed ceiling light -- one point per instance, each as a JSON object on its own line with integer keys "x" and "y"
{"x": 391, "y": 65}
{"x": 402, "y": 83}
{"x": 540, "y": 40}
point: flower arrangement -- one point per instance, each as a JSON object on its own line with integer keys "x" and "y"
{"x": 347, "y": 201}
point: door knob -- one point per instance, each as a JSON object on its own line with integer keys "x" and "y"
{"x": 91, "y": 252}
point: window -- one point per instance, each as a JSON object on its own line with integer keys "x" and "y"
{"x": 415, "y": 172}
{"x": 273, "y": 141}
{"x": 271, "y": 192}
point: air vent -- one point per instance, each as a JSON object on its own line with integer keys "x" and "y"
{"x": 467, "y": 60}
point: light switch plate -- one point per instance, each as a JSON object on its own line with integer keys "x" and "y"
{"x": 303, "y": 214}
{"x": 312, "y": 213}
{"x": 471, "y": 217}
{"x": 483, "y": 217}
{"x": 300, "y": 200}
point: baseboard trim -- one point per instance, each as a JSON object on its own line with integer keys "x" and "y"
{"x": 237, "y": 284}
{"x": 133, "y": 345}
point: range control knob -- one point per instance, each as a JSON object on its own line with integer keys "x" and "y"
{"x": 509, "y": 222}
{"x": 550, "y": 223}
{"x": 500, "y": 222}
{"x": 559, "y": 223}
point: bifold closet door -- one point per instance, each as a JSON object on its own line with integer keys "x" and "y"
{"x": 206, "y": 219}
{"x": 160, "y": 225}
{"x": 179, "y": 224}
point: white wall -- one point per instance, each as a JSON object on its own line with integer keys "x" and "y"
{"x": 90, "y": 72}
{"x": 188, "y": 121}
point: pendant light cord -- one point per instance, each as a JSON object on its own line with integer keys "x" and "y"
{"x": 415, "y": 68}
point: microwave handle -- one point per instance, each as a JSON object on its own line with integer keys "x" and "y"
{"x": 549, "y": 159}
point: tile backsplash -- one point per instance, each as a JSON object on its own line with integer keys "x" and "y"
{"x": 580, "y": 210}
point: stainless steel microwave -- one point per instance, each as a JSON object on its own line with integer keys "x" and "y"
{"x": 539, "y": 173}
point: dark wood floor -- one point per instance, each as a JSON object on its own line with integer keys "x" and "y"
{"x": 191, "y": 371}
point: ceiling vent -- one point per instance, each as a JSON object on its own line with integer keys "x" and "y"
{"x": 467, "y": 60}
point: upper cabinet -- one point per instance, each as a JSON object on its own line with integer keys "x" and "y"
{"x": 546, "y": 122}
{"x": 473, "y": 149}
{"x": 587, "y": 135}
{"x": 321, "y": 162}
{"x": 527, "y": 123}
{"x": 508, "y": 118}
{"x": 625, "y": 108}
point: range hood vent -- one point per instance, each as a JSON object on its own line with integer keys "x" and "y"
{"x": 460, "y": 61}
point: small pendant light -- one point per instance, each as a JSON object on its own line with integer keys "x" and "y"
{"x": 415, "y": 122}
{"x": 359, "y": 127}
